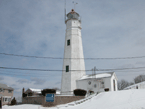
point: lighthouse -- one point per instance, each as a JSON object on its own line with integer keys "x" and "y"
{"x": 73, "y": 62}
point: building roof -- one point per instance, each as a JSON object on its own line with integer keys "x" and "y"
{"x": 35, "y": 90}
{"x": 4, "y": 86}
{"x": 72, "y": 12}
{"x": 57, "y": 91}
{"x": 98, "y": 76}
{"x": 134, "y": 85}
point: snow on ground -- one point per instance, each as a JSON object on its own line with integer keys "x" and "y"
{"x": 126, "y": 99}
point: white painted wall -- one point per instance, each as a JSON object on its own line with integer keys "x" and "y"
{"x": 74, "y": 50}
{"x": 112, "y": 85}
{"x": 83, "y": 84}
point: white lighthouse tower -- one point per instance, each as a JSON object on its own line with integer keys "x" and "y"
{"x": 73, "y": 63}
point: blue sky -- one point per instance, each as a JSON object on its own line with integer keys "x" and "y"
{"x": 114, "y": 28}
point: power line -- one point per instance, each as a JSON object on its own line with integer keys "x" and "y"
{"x": 120, "y": 69}
{"x": 25, "y": 74}
{"x": 70, "y": 70}
{"x": 12, "y": 71}
{"x": 71, "y": 58}
{"x": 44, "y": 75}
{"x": 37, "y": 69}
{"x": 13, "y": 74}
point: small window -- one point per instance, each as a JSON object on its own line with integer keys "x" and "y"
{"x": 67, "y": 68}
{"x": 9, "y": 91}
{"x": 6, "y": 99}
{"x": 68, "y": 42}
{"x": 89, "y": 82}
{"x": 1, "y": 90}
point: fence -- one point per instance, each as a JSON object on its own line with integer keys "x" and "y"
{"x": 59, "y": 99}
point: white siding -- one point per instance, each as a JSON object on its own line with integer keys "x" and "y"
{"x": 108, "y": 83}
{"x": 74, "y": 50}
{"x": 112, "y": 85}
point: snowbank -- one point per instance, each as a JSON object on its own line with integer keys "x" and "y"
{"x": 126, "y": 99}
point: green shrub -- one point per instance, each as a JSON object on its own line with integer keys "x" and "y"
{"x": 44, "y": 91}
{"x": 13, "y": 102}
{"x": 24, "y": 95}
{"x": 80, "y": 92}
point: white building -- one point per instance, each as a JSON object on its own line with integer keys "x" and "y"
{"x": 140, "y": 85}
{"x": 98, "y": 82}
{"x": 73, "y": 63}
{"x": 74, "y": 75}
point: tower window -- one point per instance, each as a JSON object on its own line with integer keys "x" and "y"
{"x": 68, "y": 42}
{"x": 67, "y": 68}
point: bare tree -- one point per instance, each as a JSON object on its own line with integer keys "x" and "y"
{"x": 123, "y": 84}
{"x": 131, "y": 83}
{"x": 56, "y": 88}
{"x": 139, "y": 78}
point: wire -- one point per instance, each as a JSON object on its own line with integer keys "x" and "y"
{"x": 13, "y": 74}
{"x": 71, "y": 58}
{"x": 37, "y": 69}
{"x": 70, "y": 70}
{"x": 42, "y": 75}
{"x": 11, "y": 71}
{"x": 24, "y": 74}
{"x": 120, "y": 69}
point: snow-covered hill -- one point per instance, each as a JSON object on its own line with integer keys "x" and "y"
{"x": 126, "y": 99}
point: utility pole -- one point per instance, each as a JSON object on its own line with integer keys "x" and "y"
{"x": 93, "y": 76}
{"x": 94, "y": 71}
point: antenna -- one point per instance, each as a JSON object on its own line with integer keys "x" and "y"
{"x": 75, "y": 3}
{"x": 65, "y": 11}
